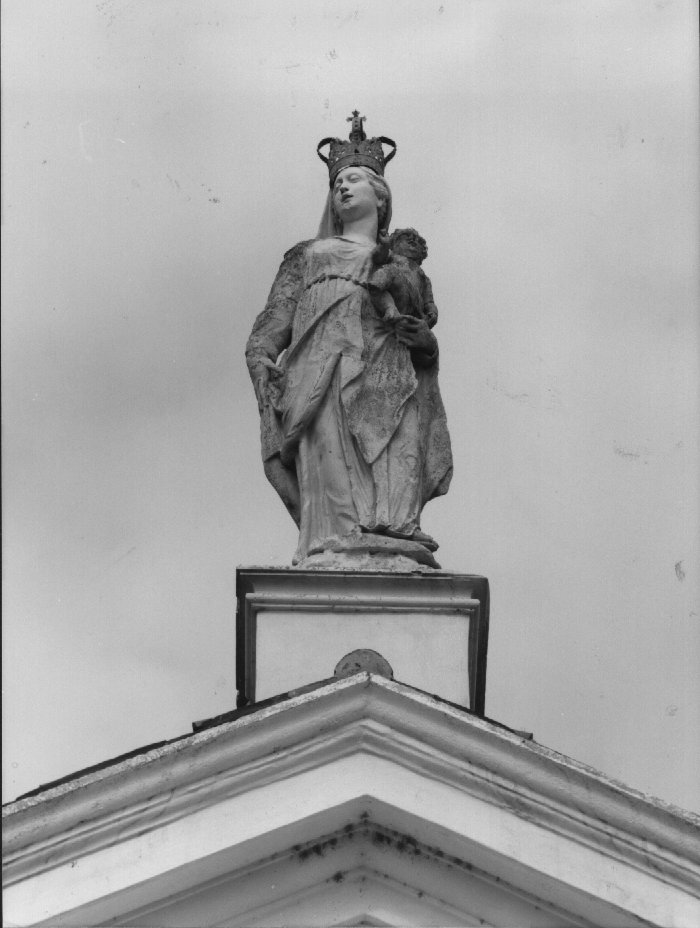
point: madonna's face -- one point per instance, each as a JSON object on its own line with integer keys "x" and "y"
{"x": 353, "y": 195}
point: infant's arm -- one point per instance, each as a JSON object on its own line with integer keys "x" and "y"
{"x": 381, "y": 253}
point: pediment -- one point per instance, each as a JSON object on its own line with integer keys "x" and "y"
{"x": 363, "y": 801}
{"x": 366, "y": 872}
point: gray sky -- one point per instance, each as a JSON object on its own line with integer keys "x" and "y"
{"x": 158, "y": 160}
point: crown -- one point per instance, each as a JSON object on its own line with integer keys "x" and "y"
{"x": 358, "y": 151}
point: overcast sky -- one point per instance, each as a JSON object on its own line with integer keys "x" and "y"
{"x": 159, "y": 158}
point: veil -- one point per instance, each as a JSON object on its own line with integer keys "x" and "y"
{"x": 327, "y": 227}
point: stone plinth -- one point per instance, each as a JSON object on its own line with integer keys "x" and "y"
{"x": 294, "y": 626}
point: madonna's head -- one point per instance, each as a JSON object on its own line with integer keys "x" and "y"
{"x": 356, "y": 190}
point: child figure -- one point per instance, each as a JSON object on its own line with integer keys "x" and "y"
{"x": 398, "y": 285}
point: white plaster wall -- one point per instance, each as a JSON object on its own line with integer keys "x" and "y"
{"x": 430, "y": 652}
{"x": 158, "y": 159}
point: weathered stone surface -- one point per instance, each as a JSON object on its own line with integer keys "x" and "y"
{"x": 354, "y": 434}
{"x": 399, "y": 275}
{"x": 363, "y": 659}
{"x": 370, "y": 551}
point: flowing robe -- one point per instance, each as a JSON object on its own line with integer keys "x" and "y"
{"x": 356, "y": 420}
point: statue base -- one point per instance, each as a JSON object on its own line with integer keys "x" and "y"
{"x": 367, "y": 551}
{"x": 295, "y": 624}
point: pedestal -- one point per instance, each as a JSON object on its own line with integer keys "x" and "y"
{"x": 293, "y": 627}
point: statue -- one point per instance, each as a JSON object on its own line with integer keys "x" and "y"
{"x": 400, "y": 278}
{"x": 344, "y": 365}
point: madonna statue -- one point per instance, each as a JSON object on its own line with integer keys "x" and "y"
{"x": 354, "y": 437}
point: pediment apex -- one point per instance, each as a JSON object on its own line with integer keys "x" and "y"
{"x": 363, "y": 713}
{"x": 300, "y": 765}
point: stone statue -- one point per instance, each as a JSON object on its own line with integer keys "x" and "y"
{"x": 400, "y": 286}
{"x": 344, "y": 366}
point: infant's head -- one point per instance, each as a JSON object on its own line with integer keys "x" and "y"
{"x": 409, "y": 244}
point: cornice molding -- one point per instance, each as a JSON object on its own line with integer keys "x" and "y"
{"x": 361, "y": 714}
